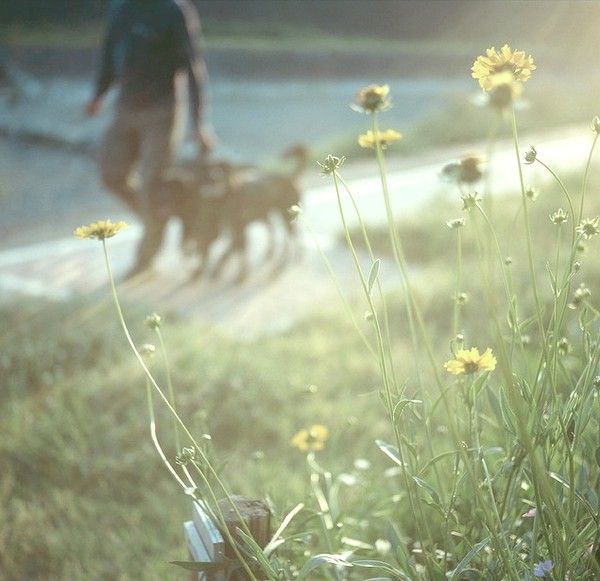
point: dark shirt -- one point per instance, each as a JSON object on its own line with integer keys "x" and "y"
{"x": 147, "y": 43}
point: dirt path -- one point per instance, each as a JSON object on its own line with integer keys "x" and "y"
{"x": 63, "y": 268}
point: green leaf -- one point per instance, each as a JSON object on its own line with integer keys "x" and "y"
{"x": 468, "y": 558}
{"x": 204, "y": 566}
{"x": 410, "y": 447}
{"x": 275, "y": 540}
{"x": 399, "y": 407}
{"x": 559, "y": 479}
{"x": 373, "y": 274}
{"x": 390, "y": 451}
{"x": 598, "y": 455}
{"x": 318, "y": 561}
{"x": 375, "y": 564}
{"x": 436, "y": 459}
{"x": 478, "y": 385}
{"x": 428, "y": 488}
{"x": 252, "y": 547}
{"x": 507, "y": 414}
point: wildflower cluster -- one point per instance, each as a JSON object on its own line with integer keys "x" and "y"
{"x": 467, "y": 170}
{"x": 530, "y": 155}
{"x": 514, "y": 62}
{"x": 470, "y": 201}
{"x": 469, "y": 361}
{"x": 148, "y": 350}
{"x": 588, "y": 228}
{"x": 532, "y": 194}
{"x": 369, "y": 139}
{"x": 503, "y": 90}
{"x": 373, "y": 98}
{"x": 580, "y": 295}
{"x": 455, "y": 223}
{"x": 312, "y": 438}
{"x": 495, "y": 442}
{"x": 559, "y": 217}
{"x": 331, "y": 164}
{"x": 153, "y": 321}
{"x": 186, "y": 455}
{"x": 99, "y": 230}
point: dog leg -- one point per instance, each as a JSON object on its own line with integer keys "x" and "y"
{"x": 239, "y": 243}
{"x": 203, "y": 250}
{"x": 217, "y": 269}
{"x": 272, "y": 243}
{"x": 295, "y": 241}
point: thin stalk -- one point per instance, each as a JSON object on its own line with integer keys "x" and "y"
{"x": 387, "y": 328}
{"x": 365, "y": 235}
{"x": 154, "y": 437}
{"x": 564, "y": 190}
{"x": 397, "y": 250}
{"x": 527, "y": 222}
{"x": 165, "y": 357}
{"x": 339, "y": 289}
{"x": 168, "y": 403}
{"x": 383, "y": 366}
{"x": 456, "y": 310}
{"x": 585, "y": 177}
{"x": 413, "y": 309}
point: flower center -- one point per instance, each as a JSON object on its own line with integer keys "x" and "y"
{"x": 506, "y": 67}
{"x": 471, "y": 367}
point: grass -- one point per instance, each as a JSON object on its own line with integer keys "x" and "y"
{"x": 462, "y": 459}
{"x": 82, "y": 490}
{"x": 83, "y": 493}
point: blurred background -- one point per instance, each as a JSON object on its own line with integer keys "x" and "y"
{"x": 280, "y": 73}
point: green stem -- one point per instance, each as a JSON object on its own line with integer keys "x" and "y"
{"x": 532, "y": 274}
{"x": 170, "y": 407}
{"x": 333, "y": 276}
{"x": 383, "y": 366}
{"x": 169, "y": 387}
{"x": 564, "y": 190}
{"x": 585, "y": 178}
{"x": 456, "y": 310}
{"x": 154, "y": 437}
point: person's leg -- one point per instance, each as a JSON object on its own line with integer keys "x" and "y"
{"x": 119, "y": 152}
{"x": 155, "y": 128}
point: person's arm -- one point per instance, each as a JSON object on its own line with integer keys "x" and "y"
{"x": 189, "y": 43}
{"x": 106, "y": 73}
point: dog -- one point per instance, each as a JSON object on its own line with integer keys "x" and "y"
{"x": 223, "y": 198}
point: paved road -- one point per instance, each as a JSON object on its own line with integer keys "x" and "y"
{"x": 60, "y": 269}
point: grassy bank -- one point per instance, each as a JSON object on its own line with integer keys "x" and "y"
{"x": 83, "y": 494}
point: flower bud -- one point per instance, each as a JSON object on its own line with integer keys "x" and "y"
{"x": 153, "y": 321}
{"x": 530, "y": 155}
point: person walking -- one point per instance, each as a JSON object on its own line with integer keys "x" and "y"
{"x": 147, "y": 43}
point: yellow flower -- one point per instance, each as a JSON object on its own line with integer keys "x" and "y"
{"x": 467, "y": 170}
{"x": 493, "y": 62}
{"x": 469, "y": 361}
{"x": 374, "y": 98}
{"x": 311, "y": 439}
{"x": 99, "y": 230}
{"x": 503, "y": 89}
{"x": 368, "y": 139}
